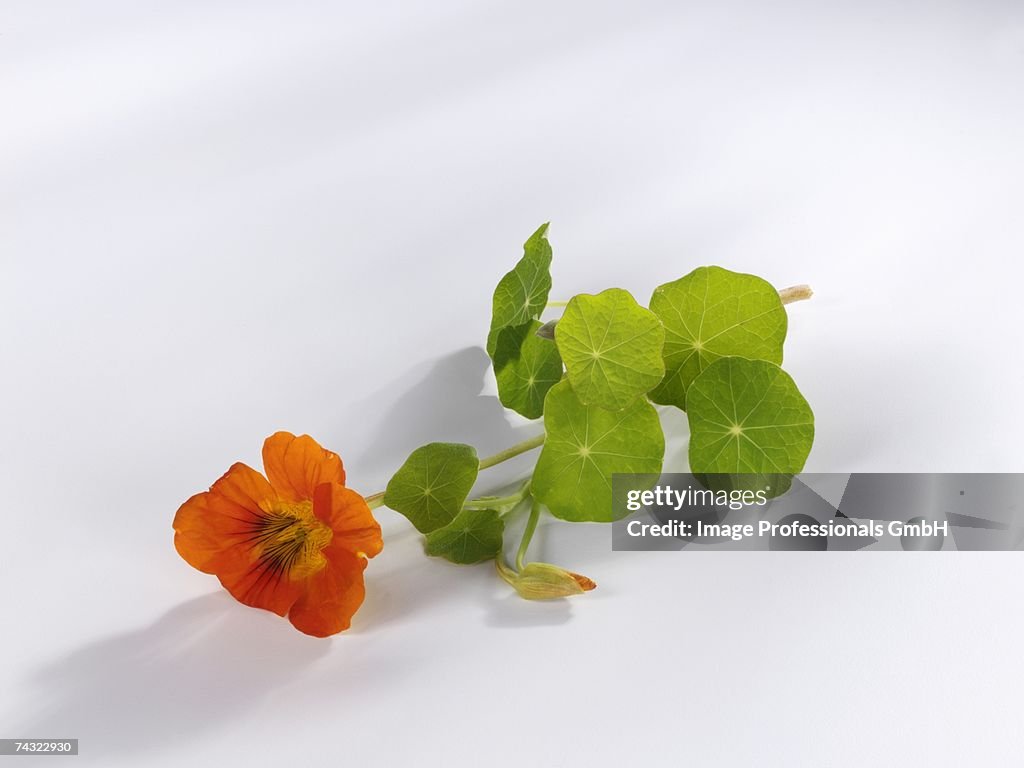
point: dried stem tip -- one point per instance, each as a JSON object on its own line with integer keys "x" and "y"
{"x": 795, "y": 293}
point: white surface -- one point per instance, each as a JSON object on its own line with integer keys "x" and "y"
{"x": 224, "y": 219}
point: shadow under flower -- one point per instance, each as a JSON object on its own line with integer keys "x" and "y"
{"x": 199, "y": 665}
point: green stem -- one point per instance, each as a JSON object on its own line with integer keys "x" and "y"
{"x": 504, "y": 571}
{"x": 511, "y": 574}
{"x": 553, "y": 304}
{"x": 512, "y": 451}
{"x": 500, "y": 502}
{"x": 531, "y": 526}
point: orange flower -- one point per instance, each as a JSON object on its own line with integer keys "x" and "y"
{"x": 294, "y": 542}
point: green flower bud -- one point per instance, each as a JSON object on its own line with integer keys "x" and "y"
{"x": 543, "y": 581}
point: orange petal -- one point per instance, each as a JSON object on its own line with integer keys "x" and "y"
{"x": 348, "y": 515}
{"x": 297, "y": 465}
{"x": 204, "y": 527}
{"x": 214, "y": 532}
{"x": 211, "y": 523}
{"x": 261, "y": 585}
{"x": 244, "y": 486}
{"x": 332, "y": 595}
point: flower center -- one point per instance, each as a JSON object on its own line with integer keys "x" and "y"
{"x": 288, "y": 539}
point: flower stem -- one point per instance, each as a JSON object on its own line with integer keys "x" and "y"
{"x": 531, "y": 526}
{"x": 513, "y": 451}
{"x": 795, "y": 293}
{"x": 504, "y": 571}
{"x": 499, "y": 502}
{"x": 512, "y": 574}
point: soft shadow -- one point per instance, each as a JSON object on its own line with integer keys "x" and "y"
{"x": 512, "y": 612}
{"x": 201, "y": 664}
{"x": 438, "y": 402}
{"x": 423, "y": 584}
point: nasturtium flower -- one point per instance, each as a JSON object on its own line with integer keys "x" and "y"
{"x": 294, "y": 542}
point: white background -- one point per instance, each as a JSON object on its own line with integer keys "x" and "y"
{"x": 223, "y": 219}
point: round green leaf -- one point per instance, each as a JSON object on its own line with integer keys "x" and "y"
{"x": 612, "y": 348}
{"x": 526, "y": 367}
{"x": 748, "y": 417}
{"x": 585, "y": 444}
{"x": 433, "y": 483}
{"x": 474, "y": 536}
{"x": 713, "y": 313}
{"x": 522, "y": 294}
